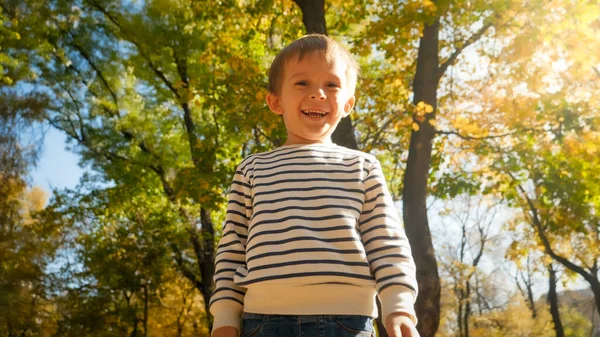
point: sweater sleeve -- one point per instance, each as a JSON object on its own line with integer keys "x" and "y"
{"x": 227, "y": 301}
{"x": 387, "y": 247}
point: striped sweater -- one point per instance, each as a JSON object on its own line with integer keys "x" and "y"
{"x": 311, "y": 229}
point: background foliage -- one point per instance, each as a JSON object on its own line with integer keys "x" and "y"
{"x": 162, "y": 99}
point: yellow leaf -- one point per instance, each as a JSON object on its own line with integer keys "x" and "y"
{"x": 260, "y": 96}
{"x": 415, "y": 126}
{"x": 178, "y": 84}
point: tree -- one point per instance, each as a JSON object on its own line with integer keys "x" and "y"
{"x": 473, "y": 220}
{"x": 26, "y": 244}
{"x": 553, "y": 302}
{"x": 444, "y": 31}
{"x": 154, "y": 108}
{"x": 119, "y": 278}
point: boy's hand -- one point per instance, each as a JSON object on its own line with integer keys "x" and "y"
{"x": 400, "y": 325}
{"x": 225, "y": 331}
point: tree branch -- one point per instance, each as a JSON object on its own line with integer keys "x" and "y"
{"x": 178, "y": 257}
{"x": 472, "y": 39}
{"x": 152, "y": 66}
{"x": 466, "y": 137}
{"x": 537, "y": 224}
{"x": 98, "y": 72}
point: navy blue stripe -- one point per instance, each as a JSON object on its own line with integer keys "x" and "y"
{"x": 240, "y": 236}
{"x": 226, "y": 270}
{"x": 374, "y": 208}
{"x": 224, "y": 279}
{"x": 316, "y": 197}
{"x": 239, "y": 224}
{"x": 306, "y": 189}
{"x": 223, "y": 245}
{"x": 256, "y": 169}
{"x": 305, "y": 250}
{"x": 374, "y": 198}
{"x": 307, "y": 180}
{"x": 387, "y": 237}
{"x": 277, "y": 153}
{"x": 389, "y": 277}
{"x": 230, "y": 289}
{"x": 378, "y": 185}
{"x": 235, "y": 182}
{"x": 238, "y": 262}
{"x": 306, "y": 172}
{"x": 317, "y": 273}
{"x": 344, "y": 283}
{"x": 226, "y": 298}
{"x": 315, "y": 208}
{"x": 396, "y": 284}
{"x": 231, "y": 201}
{"x": 382, "y": 249}
{"x": 313, "y": 229}
{"x": 379, "y": 227}
{"x": 298, "y": 217}
{"x": 266, "y": 165}
{"x": 257, "y": 159}
{"x": 241, "y": 252}
{"x": 230, "y": 211}
{"x": 378, "y": 216}
{"x": 301, "y": 238}
{"x": 373, "y": 177}
{"x": 240, "y": 194}
{"x": 383, "y": 266}
{"x": 402, "y": 256}
{"x": 295, "y": 263}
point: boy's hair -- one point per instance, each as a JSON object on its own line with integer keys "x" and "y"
{"x": 306, "y": 45}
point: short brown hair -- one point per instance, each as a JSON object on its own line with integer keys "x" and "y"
{"x": 308, "y": 44}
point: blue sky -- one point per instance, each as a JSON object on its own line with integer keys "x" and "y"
{"x": 57, "y": 167}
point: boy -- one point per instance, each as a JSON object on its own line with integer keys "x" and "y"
{"x": 311, "y": 234}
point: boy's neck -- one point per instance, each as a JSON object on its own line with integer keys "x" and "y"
{"x": 307, "y": 142}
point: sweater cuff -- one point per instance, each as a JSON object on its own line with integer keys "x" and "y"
{"x": 393, "y": 302}
{"x": 226, "y": 313}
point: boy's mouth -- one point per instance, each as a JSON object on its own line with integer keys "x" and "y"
{"x": 314, "y": 113}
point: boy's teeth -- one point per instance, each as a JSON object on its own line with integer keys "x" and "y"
{"x": 314, "y": 112}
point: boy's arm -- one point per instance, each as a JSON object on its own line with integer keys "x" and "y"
{"x": 227, "y": 301}
{"x": 387, "y": 248}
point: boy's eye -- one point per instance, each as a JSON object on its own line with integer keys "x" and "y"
{"x": 302, "y": 83}
{"x": 333, "y": 85}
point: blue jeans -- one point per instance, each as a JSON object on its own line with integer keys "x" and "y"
{"x": 258, "y": 325}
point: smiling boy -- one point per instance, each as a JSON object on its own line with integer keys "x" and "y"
{"x": 311, "y": 235}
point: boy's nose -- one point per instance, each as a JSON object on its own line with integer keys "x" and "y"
{"x": 319, "y": 94}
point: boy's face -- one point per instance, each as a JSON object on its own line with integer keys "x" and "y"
{"x": 313, "y": 98}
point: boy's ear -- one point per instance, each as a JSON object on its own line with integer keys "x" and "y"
{"x": 274, "y": 103}
{"x": 349, "y": 105}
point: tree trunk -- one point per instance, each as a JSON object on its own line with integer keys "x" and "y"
{"x": 415, "y": 185}
{"x": 313, "y": 16}
{"x": 553, "y": 301}
{"x": 459, "y": 311}
{"x": 467, "y": 313}
{"x": 146, "y": 309}
{"x": 207, "y": 260}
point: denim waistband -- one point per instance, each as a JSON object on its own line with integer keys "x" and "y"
{"x": 300, "y": 318}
